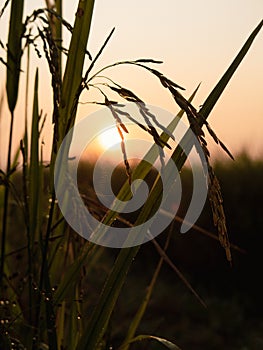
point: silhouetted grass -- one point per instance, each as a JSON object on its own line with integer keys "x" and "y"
{"x": 59, "y": 291}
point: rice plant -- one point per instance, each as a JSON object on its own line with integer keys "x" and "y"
{"x": 43, "y": 273}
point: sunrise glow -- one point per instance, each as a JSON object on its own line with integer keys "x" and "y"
{"x": 109, "y": 138}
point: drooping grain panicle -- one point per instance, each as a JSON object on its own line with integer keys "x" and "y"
{"x": 97, "y": 325}
{"x": 193, "y": 116}
{"x": 163, "y": 79}
{"x": 219, "y": 219}
{"x": 194, "y": 119}
{"x": 216, "y": 200}
{"x": 55, "y": 24}
{"x": 214, "y": 191}
{"x": 120, "y": 127}
{"x": 129, "y": 96}
{"x": 53, "y": 59}
{"x": 216, "y": 139}
{"x": 14, "y": 52}
{"x": 148, "y": 60}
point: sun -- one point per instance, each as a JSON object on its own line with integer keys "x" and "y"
{"x": 109, "y": 138}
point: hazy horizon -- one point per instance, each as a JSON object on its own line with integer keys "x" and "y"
{"x": 196, "y": 40}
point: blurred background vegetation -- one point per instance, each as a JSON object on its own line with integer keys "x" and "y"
{"x": 233, "y": 318}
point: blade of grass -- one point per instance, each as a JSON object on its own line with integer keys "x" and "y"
{"x": 61, "y": 324}
{"x": 142, "y": 308}
{"x": 70, "y": 85}
{"x": 99, "y": 321}
{"x": 72, "y": 274}
{"x": 139, "y": 338}
{"x": 72, "y": 79}
{"x": 74, "y": 66}
{"x": 4, "y": 7}
{"x": 211, "y": 101}
{"x": 34, "y": 168}
{"x": 35, "y": 183}
{"x": 14, "y": 54}
{"x": 219, "y": 88}
{"x": 166, "y": 343}
{"x": 34, "y": 197}
{"x": 75, "y": 320}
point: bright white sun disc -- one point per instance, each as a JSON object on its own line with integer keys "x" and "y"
{"x": 109, "y": 138}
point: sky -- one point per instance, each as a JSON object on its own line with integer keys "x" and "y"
{"x": 196, "y": 40}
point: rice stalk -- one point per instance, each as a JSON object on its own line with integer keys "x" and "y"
{"x": 66, "y": 109}
{"x": 101, "y": 315}
{"x": 98, "y": 323}
{"x": 70, "y": 85}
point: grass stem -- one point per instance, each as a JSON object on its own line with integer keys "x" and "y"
{"x": 6, "y": 200}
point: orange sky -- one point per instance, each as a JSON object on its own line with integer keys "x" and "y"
{"x": 196, "y": 39}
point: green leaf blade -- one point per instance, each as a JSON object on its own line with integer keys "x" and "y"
{"x": 166, "y": 343}
{"x": 221, "y": 85}
{"x": 74, "y": 67}
{"x": 34, "y": 166}
{"x": 14, "y": 52}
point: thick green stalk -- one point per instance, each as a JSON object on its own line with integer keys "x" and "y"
{"x": 142, "y": 308}
{"x": 74, "y": 66}
{"x": 219, "y": 88}
{"x": 70, "y": 86}
{"x": 58, "y": 26}
{"x": 14, "y": 54}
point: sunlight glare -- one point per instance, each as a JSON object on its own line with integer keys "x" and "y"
{"x": 109, "y": 138}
